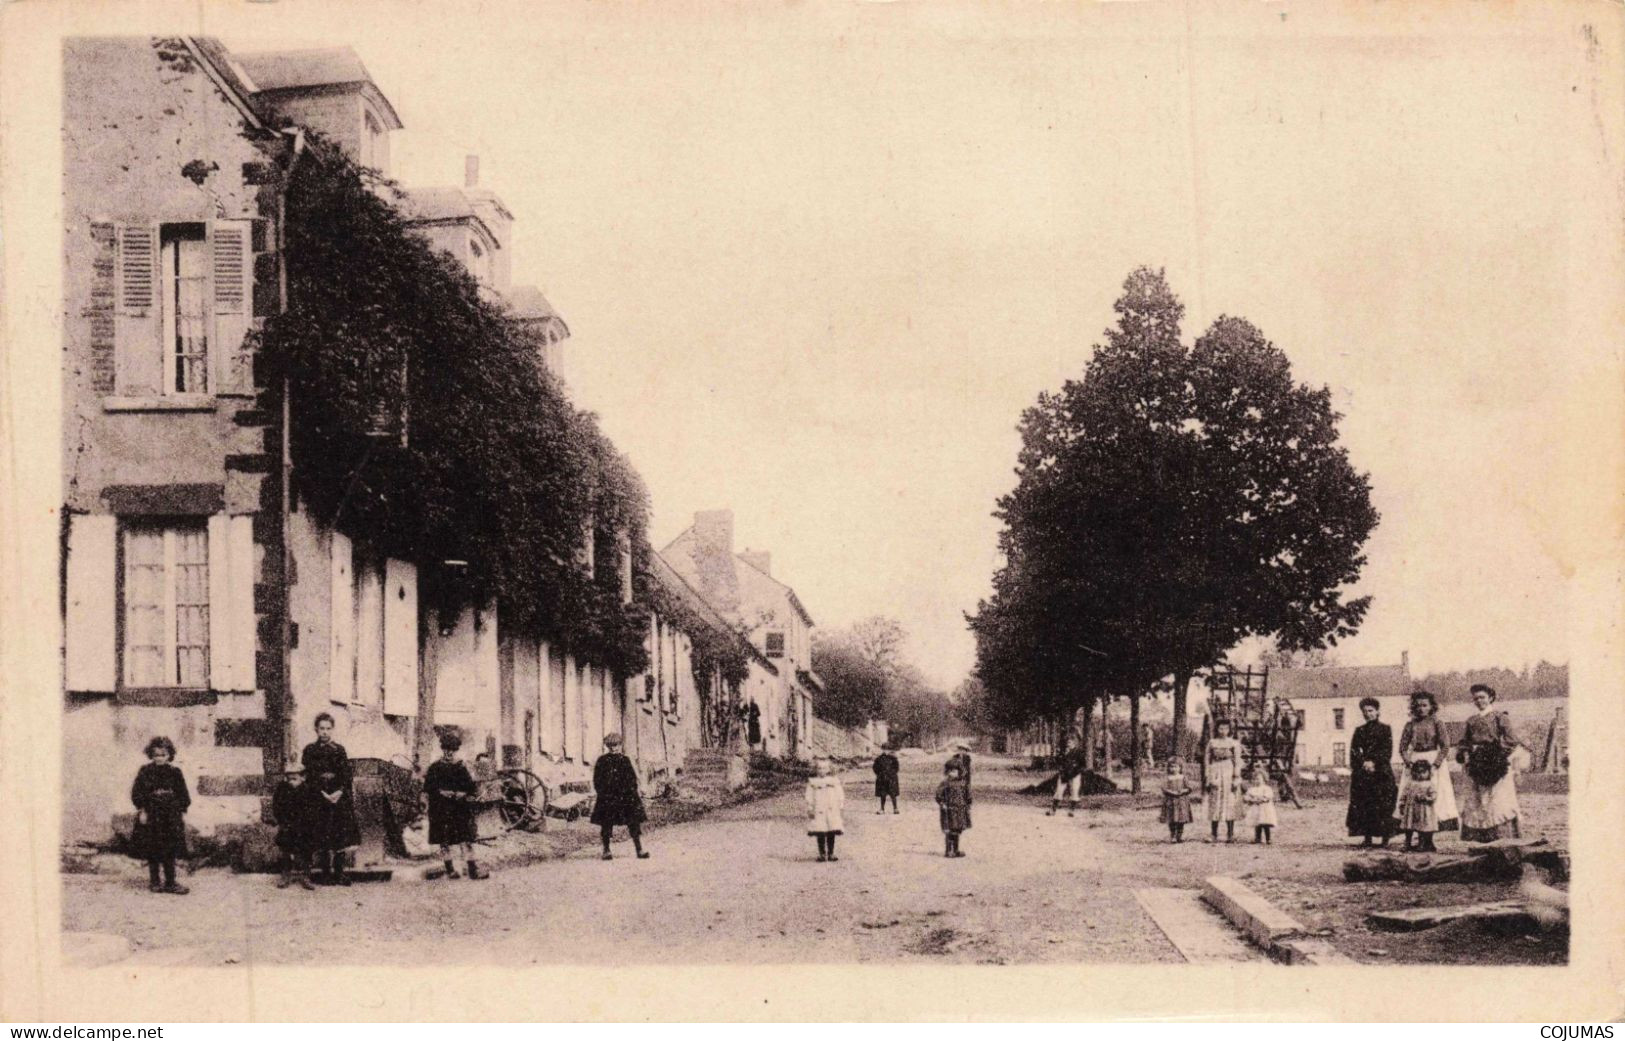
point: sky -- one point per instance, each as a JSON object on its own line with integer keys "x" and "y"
{"x": 816, "y": 259}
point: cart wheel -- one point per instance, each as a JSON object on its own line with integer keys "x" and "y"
{"x": 524, "y": 799}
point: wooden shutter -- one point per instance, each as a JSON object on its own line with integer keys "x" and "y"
{"x": 222, "y": 655}
{"x": 341, "y": 660}
{"x": 239, "y": 613}
{"x": 138, "y": 354}
{"x": 400, "y": 639}
{"x": 231, "y": 269}
{"x": 91, "y": 625}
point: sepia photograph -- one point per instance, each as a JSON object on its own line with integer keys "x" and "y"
{"x": 859, "y": 486}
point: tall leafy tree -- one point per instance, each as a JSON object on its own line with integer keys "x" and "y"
{"x": 1171, "y": 502}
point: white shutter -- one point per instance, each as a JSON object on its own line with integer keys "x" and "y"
{"x": 231, "y": 271}
{"x": 91, "y": 623}
{"x": 400, "y": 639}
{"x": 341, "y": 658}
{"x": 222, "y": 660}
{"x": 240, "y": 614}
{"x": 138, "y": 354}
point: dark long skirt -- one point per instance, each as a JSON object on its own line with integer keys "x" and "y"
{"x": 1371, "y": 802}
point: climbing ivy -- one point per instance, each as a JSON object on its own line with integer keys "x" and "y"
{"x": 425, "y": 426}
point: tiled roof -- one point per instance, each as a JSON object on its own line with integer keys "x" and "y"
{"x": 321, "y": 67}
{"x": 528, "y": 302}
{"x": 1341, "y": 681}
{"x": 437, "y": 204}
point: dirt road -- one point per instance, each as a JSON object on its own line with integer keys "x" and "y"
{"x": 740, "y": 885}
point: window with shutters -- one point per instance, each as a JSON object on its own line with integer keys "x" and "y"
{"x": 1340, "y": 754}
{"x": 775, "y": 645}
{"x": 1337, "y": 719}
{"x": 166, "y": 605}
{"x": 184, "y": 301}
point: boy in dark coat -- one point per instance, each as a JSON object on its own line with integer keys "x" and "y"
{"x": 450, "y": 788}
{"x": 160, "y": 799}
{"x": 328, "y": 778}
{"x": 290, "y": 805}
{"x": 886, "y": 782}
{"x": 953, "y": 800}
{"x": 616, "y": 798}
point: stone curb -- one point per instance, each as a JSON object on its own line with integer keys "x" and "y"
{"x": 1278, "y": 934}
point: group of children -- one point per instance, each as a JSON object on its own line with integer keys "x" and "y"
{"x": 825, "y": 798}
{"x": 1417, "y": 817}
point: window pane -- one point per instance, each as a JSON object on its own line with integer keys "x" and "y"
{"x": 144, "y": 607}
{"x": 188, "y": 298}
{"x": 192, "y": 607}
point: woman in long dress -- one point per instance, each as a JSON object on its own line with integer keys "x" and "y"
{"x": 1372, "y": 789}
{"x": 332, "y": 795}
{"x": 1424, "y": 740}
{"x": 1489, "y": 798}
{"x": 1221, "y": 769}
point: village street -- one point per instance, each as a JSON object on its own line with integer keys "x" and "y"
{"x": 742, "y": 885}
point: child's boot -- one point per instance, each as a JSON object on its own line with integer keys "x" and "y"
{"x": 287, "y": 876}
{"x": 1054, "y": 804}
{"x": 1072, "y": 808}
{"x": 475, "y": 872}
{"x": 451, "y": 870}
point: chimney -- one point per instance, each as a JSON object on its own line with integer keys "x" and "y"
{"x": 471, "y": 171}
{"x": 1405, "y": 661}
{"x": 714, "y": 529}
{"x": 760, "y": 560}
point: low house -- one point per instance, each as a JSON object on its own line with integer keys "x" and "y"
{"x": 1327, "y": 701}
{"x": 742, "y": 588}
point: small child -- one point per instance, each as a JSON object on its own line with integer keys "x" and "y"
{"x": 160, "y": 799}
{"x": 1176, "y": 801}
{"x": 1417, "y": 814}
{"x": 290, "y": 805}
{"x": 450, "y": 788}
{"x": 825, "y": 797}
{"x": 1259, "y": 798}
{"x": 953, "y": 801}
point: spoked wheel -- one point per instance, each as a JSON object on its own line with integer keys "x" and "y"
{"x": 524, "y": 800}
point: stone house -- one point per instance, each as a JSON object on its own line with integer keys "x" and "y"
{"x": 201, "y": 601}
{"x": 782, "y": 684}
{"x": 172, "y": 494}
{"x": 1327, "y": 700}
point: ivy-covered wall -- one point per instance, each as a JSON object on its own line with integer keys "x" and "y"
{"x": 425, "y": 426}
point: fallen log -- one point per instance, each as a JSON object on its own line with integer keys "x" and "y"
{"x": 1487, "y": 867}
{"x": 1501, "y": 912}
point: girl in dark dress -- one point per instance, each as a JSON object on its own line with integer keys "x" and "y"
{"x": 953, "y": 804}
{"x": 333, "y": 823}
{"x": 1372, "y": 788}
{"x": 616, "y": 800}
{"x": 290, "y": 805}
{"x": 161, "y": 799}
{"x": 450, "y": 789}
{"x": 886, "y": 783}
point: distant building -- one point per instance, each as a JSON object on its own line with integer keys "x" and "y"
{"x": 742, "y": 588}
{"x": 1327, "y": 700}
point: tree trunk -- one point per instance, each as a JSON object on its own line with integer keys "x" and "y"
{"x": 1136, "y": 753}
{"x": 1182, "y": 680}
{"x": 1106, "y": 735}
{"x": 1085, "y": 735}
{"x": 1057, "y": 744}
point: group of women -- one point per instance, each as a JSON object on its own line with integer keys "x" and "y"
{"x": 1488, "y": 808}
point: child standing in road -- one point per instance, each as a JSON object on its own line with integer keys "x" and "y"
{"x": 1259, "y": 798}
{"x": 1176, "y": 801}
{"x": 450, "y": 788}
{"x": 953, "y": 801}
{"x": 1418, "y": 812}
{"x": 160, "y": 799}
{"x": 825, "y": 798}
{"x": 290, "y": 805}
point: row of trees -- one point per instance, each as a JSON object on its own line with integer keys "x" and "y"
{"x": 867, "y": 675}
{"x": 1171, "y": 502}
